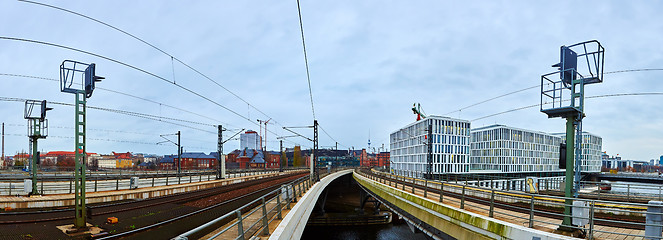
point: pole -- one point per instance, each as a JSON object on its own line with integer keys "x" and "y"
{"x": 568, "y": 190}
{"x": 219, "y": 153}
{"x": 281, "y": 157}
{"x": 3, "y": 144}
{"x": 315, "y": 149}
{"x": 33, "y": 167}
{"x": 179, "y": 154}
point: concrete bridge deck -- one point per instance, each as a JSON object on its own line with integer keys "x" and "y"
{"x": 446, "y": 213}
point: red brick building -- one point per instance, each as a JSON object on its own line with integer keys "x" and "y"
{"x": 383, "y": 159}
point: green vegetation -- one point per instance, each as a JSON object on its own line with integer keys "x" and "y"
{"x": 297, "y": 157}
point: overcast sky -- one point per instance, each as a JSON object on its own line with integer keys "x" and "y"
{"x": 369, "y": 62}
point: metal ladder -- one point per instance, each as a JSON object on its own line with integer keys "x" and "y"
{"x": 80, "y": 160}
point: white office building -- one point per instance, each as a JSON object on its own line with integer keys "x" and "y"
{"x": 451, "y": 147}
{"x": 504, "y": 149}
{"x": 591, "y": 151}
{"x": 249, "y": 140}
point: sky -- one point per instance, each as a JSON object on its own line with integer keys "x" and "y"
{"x": 369, "y": 61}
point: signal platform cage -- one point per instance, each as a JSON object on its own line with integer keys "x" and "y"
{"x": 580, "y": 64}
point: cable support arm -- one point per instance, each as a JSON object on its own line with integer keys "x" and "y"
{"x": 232, "y": 137}
{"x": 298, "y": 134}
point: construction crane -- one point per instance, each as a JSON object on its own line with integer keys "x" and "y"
{"x": 416, "y": 109}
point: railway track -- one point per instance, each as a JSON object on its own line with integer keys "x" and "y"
{"x": 105, "y": 209}
{"x": 172, "y": 227}
{"x": 633, "y": 222}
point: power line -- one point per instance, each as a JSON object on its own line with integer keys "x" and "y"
{"x": 325, "y": 131}
{"x": 636, "y": 70}
{"x": 589, "y": 97}
{"x": 126, "y": 65}
{"x": 133, "y": 67}
{"x": 109, "y": 140}
{"x": 121, "y": 93}
{"x": 135, "y": 114}
{"x": 539, "y": 85}
{"x": 493, "y": 98}
{"x": 308, "y": 75}
{"x": 155, "y": 47}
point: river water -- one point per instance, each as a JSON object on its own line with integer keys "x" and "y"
{"x": 636, "y": 188}
{"x": 393, "y": 231}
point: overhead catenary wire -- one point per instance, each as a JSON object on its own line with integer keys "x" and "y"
{"x": 158, "y": 49}
{"x": 308, "y": 75}
{"x": 325, "y": 131}
{"x": 129, "y": 113}
{"x": 126, "y": 65}
{"x": 132, "y": 67}
{"x": 588, "y": 97}
{"x": 539, "y": 85}
{"x": 121, "y": 93}
{"x": 109, "y": 140}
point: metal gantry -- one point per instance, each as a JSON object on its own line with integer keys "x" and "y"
{"x": 179, "y": 148}
{"x": 314, "y": 169}
{"x": 221, "y": 173}
{"x": 565, "y": 98}
{"x": 37, "y": 128}
{"x": 315, "y": 150}
{"x": 282, "y": 153}
{"x": 69, "y": 72}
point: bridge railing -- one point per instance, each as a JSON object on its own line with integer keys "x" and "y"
{"x": 254, "y": 218}
{"x": 593, "y": 219}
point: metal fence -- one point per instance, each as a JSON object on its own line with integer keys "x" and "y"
{"x": 593, "y": 218}
{"x": 255, "y": 217}
{"x": 112, "y": 181}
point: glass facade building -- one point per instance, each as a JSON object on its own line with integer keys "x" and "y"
{"x": 591, "y": 151}
{"x": 451, "y": 147}
{"x": 503, "y": 149}
{"x": 495, "y": 149}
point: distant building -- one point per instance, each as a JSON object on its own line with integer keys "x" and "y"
{"x": 451, "y": 147}
{"x": 272, "y": 159}
{"x": 116, "y": 161}
{"x": 65, "y": 158}
{"x": 504, "y": 149}
{"x": 383, "y": 159}
{"x": 591, "y": 151}
{"x": 123, "y": 160}
{"x": 149, "y": 158}
{"x": 250, "y": 140}
{"x": 198, "y": 160}
{"x": 251, "y": 158}
{"x": 337, "y": 158}
{"x": 168, "y": 162}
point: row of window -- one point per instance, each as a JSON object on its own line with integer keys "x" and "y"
{"x": 513, "y": 134}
